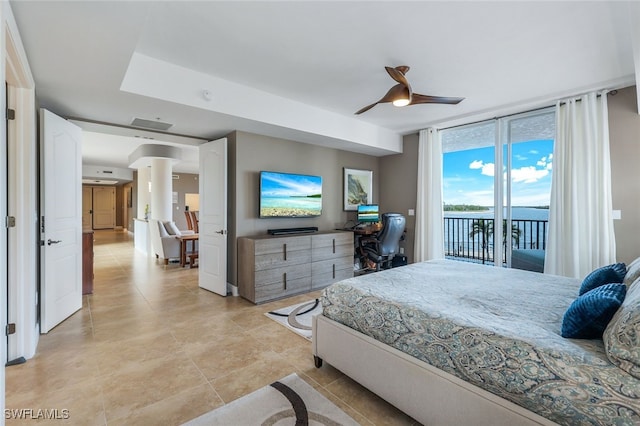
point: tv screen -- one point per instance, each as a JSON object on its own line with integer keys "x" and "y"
{"x": 290, "y": 195}
{"x": 368, "y": 213}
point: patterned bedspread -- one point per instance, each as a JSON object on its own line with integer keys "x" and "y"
{"x": 496, "y": 328}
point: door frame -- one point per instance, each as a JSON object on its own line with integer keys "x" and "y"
{"x": 14, "y": 69}
{"x": 23, "y": 183}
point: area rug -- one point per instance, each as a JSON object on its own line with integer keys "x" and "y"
{"x": 297, "y": 318}
{"x": 289, "y": 401}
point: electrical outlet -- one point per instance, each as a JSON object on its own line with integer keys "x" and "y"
{"x": 401, "y": 250}
{"x": 412, "y": 212}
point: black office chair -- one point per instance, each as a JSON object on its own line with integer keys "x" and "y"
{"x": 381, "y": 249}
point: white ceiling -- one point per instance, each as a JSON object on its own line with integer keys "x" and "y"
{"x": 299, "y": 70}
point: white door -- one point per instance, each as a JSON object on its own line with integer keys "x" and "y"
{"x": 87, "y": 207}
{"x": 212, "y": 217}
{"x": 104, "y": 207}
{"x": 61, "y": 220}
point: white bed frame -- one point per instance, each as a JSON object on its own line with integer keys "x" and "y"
{"x": 431, "y": 396}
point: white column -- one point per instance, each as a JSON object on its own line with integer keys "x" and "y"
{"x": 144, "y": 196}
{"x": 161, "y": 189}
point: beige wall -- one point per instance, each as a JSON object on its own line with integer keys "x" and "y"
{"x": 186, "y": 183}
{"x": 250, "y": 153}
{"x": 624, "y": 135}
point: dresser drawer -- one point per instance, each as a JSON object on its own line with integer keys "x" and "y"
{"x": 283, "y": 274}
{"x": 283, "y": 245}
{"x": 325, "y": 279}
{"x": 281, "y": 288}
{"x": 279, "y": 260}
{"x": 330, "y": 240}
{"x": 327, "y": 267}
{"x": 332, "y": 252}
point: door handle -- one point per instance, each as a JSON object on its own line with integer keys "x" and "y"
{"x": 50, "y": 241}
{"x": 221, "y": 232}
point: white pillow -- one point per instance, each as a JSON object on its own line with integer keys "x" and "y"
{"x": 633, "y": 272}
{"x": 172, "y": 229}
{"x": 622, "y": 335}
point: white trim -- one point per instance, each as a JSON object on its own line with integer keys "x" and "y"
{"x": 22, "y": 188}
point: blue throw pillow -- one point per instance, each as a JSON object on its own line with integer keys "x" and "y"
{"x": 589, "y": 314}
{"x": 610, "y": 274}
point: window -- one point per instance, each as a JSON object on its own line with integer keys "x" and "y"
{"x": 474, "y": 230}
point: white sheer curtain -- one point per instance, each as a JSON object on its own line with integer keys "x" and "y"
{"x": 429, "y": 238}
{"x": 581, "y": 236}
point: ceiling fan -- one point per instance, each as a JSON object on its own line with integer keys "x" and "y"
{"x": 402, "y": 95}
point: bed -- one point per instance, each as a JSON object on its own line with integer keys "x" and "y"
{"x": 458, "y": 343}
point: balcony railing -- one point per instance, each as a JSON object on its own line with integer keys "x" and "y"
{"x": 461, "y": 243}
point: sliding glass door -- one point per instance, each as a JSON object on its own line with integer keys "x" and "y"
{"x": 514, "y": 234}
{"x": 528, "y": 152}
{"x": 468, "y": 191}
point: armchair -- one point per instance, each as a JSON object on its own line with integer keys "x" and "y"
{"x": 381, "y": 249}
{"x": 165, "y": 245}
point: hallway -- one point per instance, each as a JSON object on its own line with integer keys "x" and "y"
{"x": 150, "y": 347}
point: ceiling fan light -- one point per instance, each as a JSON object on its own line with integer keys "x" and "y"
{"x": 401, "y": 102}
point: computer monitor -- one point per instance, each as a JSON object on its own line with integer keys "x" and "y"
{"x": 368, "y": 213}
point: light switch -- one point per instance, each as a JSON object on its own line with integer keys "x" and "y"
{"x": 617, "y": 214}
{"x": 412, "y": 212}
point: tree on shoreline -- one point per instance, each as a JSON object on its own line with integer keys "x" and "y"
{"x": 484, "y": 227}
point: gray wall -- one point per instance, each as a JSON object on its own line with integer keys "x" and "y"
{"x": 250, "y": 153}
{"x": 624, "y": 135}
{"x": 398, "y": 186}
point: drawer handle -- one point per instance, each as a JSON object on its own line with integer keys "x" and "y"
{"x": 285, "y": 280}
{"x": 334, "y": 271}
{"x": 334, "y": 245}
{"x": 284, "y": 248}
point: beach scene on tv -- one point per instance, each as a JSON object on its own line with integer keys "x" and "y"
{"x": 290, "y": 195}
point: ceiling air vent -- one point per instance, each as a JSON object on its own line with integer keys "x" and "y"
{"x": 151, "y": 124}
{"x": 175, "y": 177}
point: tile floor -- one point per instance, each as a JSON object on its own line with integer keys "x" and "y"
{"x": 150, "y": 347}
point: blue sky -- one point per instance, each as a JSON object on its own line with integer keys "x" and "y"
{"x": 468, "y": 175}
{"x": 286, "y": 185}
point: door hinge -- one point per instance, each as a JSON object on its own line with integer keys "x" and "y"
{"x": 42, "y": 224}
{"x": 10, "y": 221}
{"x": 11, "y": 114}
{"x": 11, "y": 329}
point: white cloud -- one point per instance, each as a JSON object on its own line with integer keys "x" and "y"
{"x": 528, "y": 174}
{"x": 521, "y": 157}
{"x": 533, "y": 151}
{"x": 487, "y": 168}
{"x": 477, "y": 164}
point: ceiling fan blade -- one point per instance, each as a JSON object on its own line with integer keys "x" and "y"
{"x": 388, "y": 97}
{"x": 398, "y": 75}
{"x": 367, "y": 108}
{"x": 426, "y": 99}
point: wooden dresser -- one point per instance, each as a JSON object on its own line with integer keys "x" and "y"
{"x": 87, "y": 262}
{"x": 273, "y": 267}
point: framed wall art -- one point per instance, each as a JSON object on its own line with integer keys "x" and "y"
{"x": 358, "y": 188}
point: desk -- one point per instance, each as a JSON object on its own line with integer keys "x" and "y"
{"x": 184, "y": 239}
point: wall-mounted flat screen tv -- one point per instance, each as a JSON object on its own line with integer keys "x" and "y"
{"x": 290, "y": 195}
